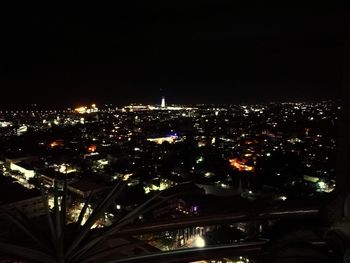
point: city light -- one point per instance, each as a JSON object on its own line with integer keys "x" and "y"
{"x": 92, "y": 148}
{"x": 240, "y": 164}
{"x": 152, "y": 149}
{"x": 161, "y": 140}
{"x": 199, "y": 242}
{"x": 179, "y": 131}
{"x": 81, "y": 109}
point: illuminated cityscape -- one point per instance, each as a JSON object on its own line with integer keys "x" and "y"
{"x": 275, "y": 153}
{"x": 175, "y": 132}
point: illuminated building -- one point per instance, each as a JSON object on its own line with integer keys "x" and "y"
{"x": 94, "y": 108}
{"x": 241, "y": 165}
{"x": 23, "y": 168}
{"x": 81, "y": 109}
{"x": 5, "y": 124}
{"x": 92, "y": 148}
{"x": 21, "y": 130}
{"x": 131, "y": 108}
{"x": 161, "y": 185}
{"x": 161, "y": 140}
{"x": 66, "y": 169}
{"x": 163, "y": 103}
{"x": 49, "y": 176}
{"x": 85, "y": 109}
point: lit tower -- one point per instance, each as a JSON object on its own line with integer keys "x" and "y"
{"x": 162, "y": 105}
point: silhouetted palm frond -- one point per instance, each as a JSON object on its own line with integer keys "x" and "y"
{"x": 64, "y": 243}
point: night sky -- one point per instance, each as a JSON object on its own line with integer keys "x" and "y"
{"x": 208, "y": 52}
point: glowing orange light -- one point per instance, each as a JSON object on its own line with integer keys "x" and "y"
{"x": 56, "y": 143}
{"x": 92, "y": 148}
{"x": 81, "y": 110}
{"x": 240, "y": 165}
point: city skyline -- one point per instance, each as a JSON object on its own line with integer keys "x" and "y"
{"x": 174, "y": 132}
{"x": 233, "y": 160}
{"x": 152, "y": 105}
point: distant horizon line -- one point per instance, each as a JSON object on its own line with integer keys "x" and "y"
{"x": 33, "y": 106}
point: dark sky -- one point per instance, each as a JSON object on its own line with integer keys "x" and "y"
{"x": 196, "y": 52}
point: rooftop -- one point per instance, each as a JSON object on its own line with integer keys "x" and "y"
{"x": 11, "y": 191}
